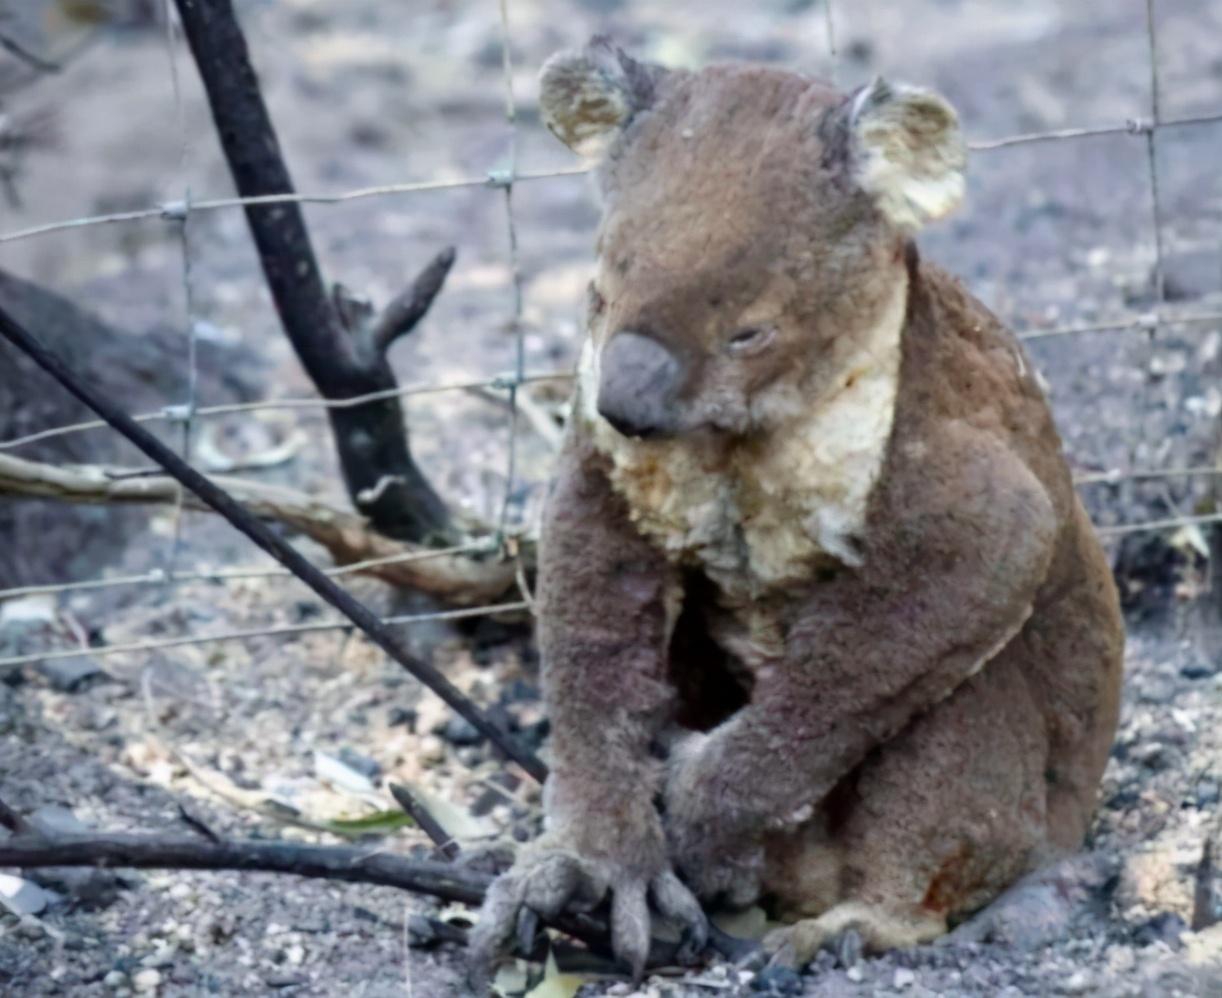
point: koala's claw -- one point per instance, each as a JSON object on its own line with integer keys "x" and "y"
{"x": 548, "y": 881}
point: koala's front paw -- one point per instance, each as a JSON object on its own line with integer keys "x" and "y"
{"x": 549, "y": 878}
{"x": 716, "y": 860}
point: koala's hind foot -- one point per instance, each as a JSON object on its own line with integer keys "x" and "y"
{"x": 880, "y": 928}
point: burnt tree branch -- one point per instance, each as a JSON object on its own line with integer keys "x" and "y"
{"x": 403, "y": 313}
{"x": 424, "y": 820}
{"x": 223, "y": 503}
{"x": 381, "y": 477}
{"x": 442, "y": 880}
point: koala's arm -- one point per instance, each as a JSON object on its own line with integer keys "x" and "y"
{"x": 606, "y": 599}
{"x": 951, "y": 573}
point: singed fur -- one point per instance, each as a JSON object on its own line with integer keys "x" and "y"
{"x": 757, "y": 515}
{"x": 842, "y": 578}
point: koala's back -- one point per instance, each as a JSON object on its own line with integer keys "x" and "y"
{"x": 962, "y": 366}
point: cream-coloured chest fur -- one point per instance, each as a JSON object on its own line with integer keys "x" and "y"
{"x": 757, "y": 514}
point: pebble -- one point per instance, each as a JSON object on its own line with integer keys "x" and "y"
{"x": 777, "y": 981}
{"x": 432, "y": 750}
{"x": 69, "y": 675}
{"x": 1077, "y": 983}
{"x": 404, "y": 716}
{"x": 856, "y": 974}
{"x": 115, "y": 979}
{"x": 904, "y": 978}
{"x": 459, "y": 731}
{"x": 362, "y": 764}
{"x": 147, "y": 980}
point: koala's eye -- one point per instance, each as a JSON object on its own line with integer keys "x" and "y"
{"x": 595, "y": 302}
{"x": 750, "y": 340}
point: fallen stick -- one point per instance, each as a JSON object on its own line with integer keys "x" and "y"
{"x": 443, "y": 880}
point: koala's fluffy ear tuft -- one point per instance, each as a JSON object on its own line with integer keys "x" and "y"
{"x": 908, "y": 152}
{"x": 587, "y": 96}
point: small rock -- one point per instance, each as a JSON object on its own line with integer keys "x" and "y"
{"x": 855, "y": 974}
{"x": 115, "y": 979}
{"x": 1077, "y": 983}
{"x": 71, "y": 675}
{"x": 432, "y": 750}
{"x": 147, "y": 980}
{"x": 402, "y": 716}
{"x": 37, "y": 609}
{"x": 1207, "y": 794}
{"x": 22, "y": 897}
{"x": 364, "y": 765}
{"x": 1197, "y": 670}
{"x": 459, "y": 731}
{"x": 904, "y": 978}
{"x": 777, "y": 981}
{"x": 1165, "y": 927}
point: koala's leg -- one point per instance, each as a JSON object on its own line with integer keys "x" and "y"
{"x": 607, "y": 601}
{"x": 934, "y": 825}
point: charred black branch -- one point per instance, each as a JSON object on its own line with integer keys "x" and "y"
{"x": 223, "y": 503}
{"x": 424, "y": 821}
{"x": 443, "y": 880}
{"x": 371, "y": 439}
{"x": 403, "y": 313}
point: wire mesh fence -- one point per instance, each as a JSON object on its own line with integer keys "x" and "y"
{"x": 186, "y": 414}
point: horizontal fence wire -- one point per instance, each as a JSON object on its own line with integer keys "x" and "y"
{"x": 504, "y": 181}
{"x": 496, "y": 179}
{"x": 96, "y": 651}
{"x": 159, "y": 577}
{"x": 173, "y": 414}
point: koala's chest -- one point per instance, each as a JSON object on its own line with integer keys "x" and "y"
{"x": 760, "y": 517}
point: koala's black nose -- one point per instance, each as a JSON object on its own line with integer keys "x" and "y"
{"x": 638, "y": 385}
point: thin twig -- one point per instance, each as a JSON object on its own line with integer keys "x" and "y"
{"x": 403, "y": 313}
{"x": 424, "y": 820}
{"x": 31, "y": 59}
{"x": 1204, "y": 913}
{"x": 11, "y": 820}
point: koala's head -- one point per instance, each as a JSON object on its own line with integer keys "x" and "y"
{"x": 754, "y": 229}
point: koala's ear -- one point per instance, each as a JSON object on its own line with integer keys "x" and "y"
{"x": 907, "y": 151}
{"x": 587, "y": 96}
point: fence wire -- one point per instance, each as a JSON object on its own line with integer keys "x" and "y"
{"x": 504, "y": 179}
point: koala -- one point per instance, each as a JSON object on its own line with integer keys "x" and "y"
{"x": 823, "y": 623}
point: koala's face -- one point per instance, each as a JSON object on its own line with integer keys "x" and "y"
{"x": 753, "y": 230}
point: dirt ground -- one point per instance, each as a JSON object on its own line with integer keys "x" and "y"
{"x": 367, "y": 93}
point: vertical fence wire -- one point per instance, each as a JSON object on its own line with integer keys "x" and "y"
{"x": 186, "y": 412}
{"x": 506, "y": 182}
